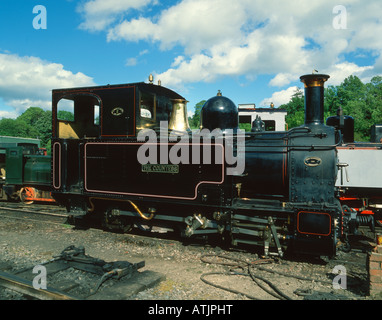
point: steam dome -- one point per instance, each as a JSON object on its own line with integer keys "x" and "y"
{"x": 219, "y": 113}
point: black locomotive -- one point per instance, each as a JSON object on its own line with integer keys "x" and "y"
{"x": 141, "y": 165}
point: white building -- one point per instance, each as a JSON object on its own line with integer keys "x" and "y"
{"x": 274, "y": 119}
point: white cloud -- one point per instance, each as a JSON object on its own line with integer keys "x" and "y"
{"x": 282, "y": 79}
{"x": 337, "y": 74}
{"x": 343, "y": 70}
{"x": 28, "y": 81}
{"x": 131, "y": 62}
{"x": 20, "y": 105}
{"x": 143, "y": 52}
{"x": 246, "y": 38}
{"x": 99, "y": 14}
{"x": 8, "y": 114}
{"x": 194, "y": 24}
{"x": 280, "y": 97}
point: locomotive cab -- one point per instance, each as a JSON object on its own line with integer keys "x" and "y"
{"x": 76, "y": 116}
{"x": 115, "y": 111}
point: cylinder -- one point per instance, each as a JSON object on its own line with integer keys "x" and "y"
{"x": 314, "y": 97}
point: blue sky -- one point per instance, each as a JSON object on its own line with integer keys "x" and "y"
{"x": 254, "y": 51}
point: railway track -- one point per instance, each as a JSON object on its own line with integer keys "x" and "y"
{"x": 56, "y": 215}
{"x": 141, "y": 244}
{"x": 45, "y": 214}
{"x": 25, "y": 287}
{"x": 37, "y": 209}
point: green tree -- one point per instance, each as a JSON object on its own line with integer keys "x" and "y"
{"x": 361, "y": 101}
{"x": 351, "y": 89}
{"x": 374, "y": 99}
{"x": 352, "y": 96}
{"x": 296, "y": 109}
{"x": 32, "y": 115}
{"x": 44, "y": 127}
{"x": 331, "y": 100}
{"x": 41, "y": 121}
{"x": 65, "y": 115}
{"x": 194, "y": 121}
{"x": 17, "y": 128}
{"x": 32, "y": 123}
{"x": 245, "y": 126}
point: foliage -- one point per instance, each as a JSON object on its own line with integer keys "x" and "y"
{"x": 33, "y": 123}
{"x": 194, "y": 121}
{"x": 295, "y": 109}
{"x": 361, "y": 101}
{"x": 16, "y": 128}
{"x": 65, "y": 115}
{"x": 245, "y": 126}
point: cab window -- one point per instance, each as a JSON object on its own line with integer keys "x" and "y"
{"x": 78, "y": 117}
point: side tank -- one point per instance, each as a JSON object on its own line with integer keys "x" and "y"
{"x": 37, "y": 170}
{"x": 266, "y": 173}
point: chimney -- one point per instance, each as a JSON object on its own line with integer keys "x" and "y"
{"x": 314, "y": 97}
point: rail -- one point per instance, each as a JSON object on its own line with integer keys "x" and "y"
{"x": 15, "y": 283}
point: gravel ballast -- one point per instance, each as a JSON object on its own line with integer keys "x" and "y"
{"x": 25, "y": 243}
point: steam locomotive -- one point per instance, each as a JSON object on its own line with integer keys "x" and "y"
{"x": 129, "y": 157}
{"x": 25, "y": 170}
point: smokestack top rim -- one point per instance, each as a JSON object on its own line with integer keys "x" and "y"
{"x": 314, "y": 80}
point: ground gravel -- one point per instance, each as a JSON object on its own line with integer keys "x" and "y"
{"x": 25, "y": 244}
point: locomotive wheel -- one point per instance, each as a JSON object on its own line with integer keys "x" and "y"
{"x": 113, "y": 221}
{"x": 25, "y": 193}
